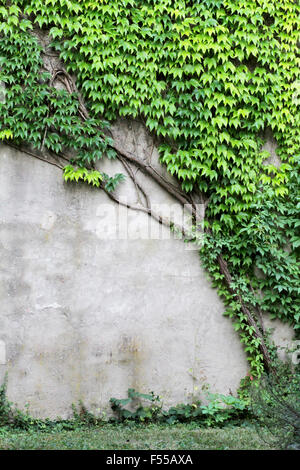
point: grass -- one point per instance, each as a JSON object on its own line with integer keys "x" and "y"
{"x": 135, "y": 437}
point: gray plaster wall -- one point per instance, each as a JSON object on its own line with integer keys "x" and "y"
{"x": 87, "y": 313}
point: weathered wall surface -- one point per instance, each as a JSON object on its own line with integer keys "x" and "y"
{"x": 86, "y": 316}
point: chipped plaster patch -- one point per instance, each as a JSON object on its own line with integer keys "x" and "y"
{"x": 48, "y": 219}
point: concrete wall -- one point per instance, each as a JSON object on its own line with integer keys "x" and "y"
{"x": 85, "y": 315}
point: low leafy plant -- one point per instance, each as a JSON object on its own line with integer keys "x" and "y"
{"x": 82, "y": 416}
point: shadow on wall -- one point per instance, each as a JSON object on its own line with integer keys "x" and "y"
{"x": 84, "y": 316}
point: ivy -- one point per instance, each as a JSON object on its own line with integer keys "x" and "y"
{"x": 210, "y": 78}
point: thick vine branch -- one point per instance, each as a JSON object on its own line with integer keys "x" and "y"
{"x": 31, "y": 154}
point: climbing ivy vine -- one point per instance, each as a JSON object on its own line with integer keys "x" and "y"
{"x": 210, "y": 78}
